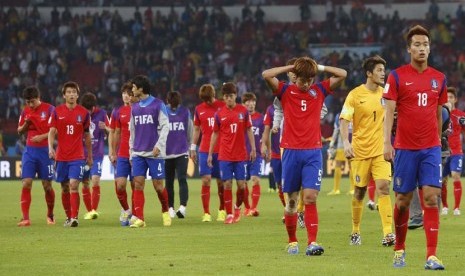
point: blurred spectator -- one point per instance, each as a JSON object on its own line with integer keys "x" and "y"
{"x": 20, "y": 145}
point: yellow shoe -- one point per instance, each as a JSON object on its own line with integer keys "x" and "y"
{"x": 334, "y": 192}
{"x": 206, "y": 218}
{"x": 221, "y": 215}
{"x": 351, "y": 192}
{"x": 138, "y": 224}
{"x": 166, "y": 219}
{"x": 91, "y": 215}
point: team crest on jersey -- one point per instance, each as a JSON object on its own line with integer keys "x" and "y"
{"x": 241, "y": 117}
{"x": 357, "y": 178}
{"x": 398, "y": 182}
{"x": 383, "y": 102}
{"x": 312, "y": 93}
{"x": 79, "y": 119}
{"x": 434, "y": 84}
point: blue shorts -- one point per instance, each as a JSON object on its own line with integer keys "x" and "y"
{"x": 301, "y": 168}
{"x": 453, "y": 164}
{"x": 66, "y": 170}
{"x": 156, "y": 167}
{"x": 277, "y": 169}
{"x": 228, "y": 169}
{"x": 417, "y": 167}
{"x": 204, "y": 169}
{"x": 35, "y": 160}
{"x": 123, "y": 168}
{"x": 95, "y": 170}
{"x": 254, "y": 168}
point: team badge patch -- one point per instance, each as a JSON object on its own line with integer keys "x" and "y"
{"x": 42, "y": 115}
{"x": 79, "y": 119}
{"x": 357, "y": 178}
{"x": 434, "y": 84}
{"x": 312, "y": 93}
{"x": 241, "y": 117}
{"x": 398, "y": 182}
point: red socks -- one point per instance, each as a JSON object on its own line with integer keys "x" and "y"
{"x": 25, "y": 202}
{"x": 205, "y": 196}
{"x": 87, "y": 198}
{"x": 457, "y": 193}
{"x": 431, "y": 225}
{"x": 228, "y": 201}
{"x": 95, "y": 197}
{"x": 139, "y": 202}
{"x": 311, "y": 221}
{"x": 65, "y": 200}
{"x": 255, "y": 195}
{"x": 245, "y": 197}
{"x": 74, "y": 203}
{"x": 163, "y": 197}
{"x": 122, "y": 198}
{"x": 239, "y": 197}
{"x": 291, "y": 226}
{"x": 281, "y": 195}
{"x": 444, "y": 194}
{"x": 50, "y": 199}
{"x": 221, "y": 196}
{"x": 371, "y": 190}
{"x": 401, "y": 224}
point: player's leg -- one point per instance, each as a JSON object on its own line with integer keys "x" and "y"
{"x": 381, "y": 172}
{"x": 240, "y": 174}
{"x": 86, "y": 194}
{"x": 416, "y": 211}
{"x": 157, "y": 172}
{"x": 447, "y": 170}
{"x": 205, "y": 174}
{"x": 96, "y": 173}
{"x": 76, "y": 171}
{"x": 181, "y": 171}
{"x": 170, "y": 172}
{"x": 277, "y": 171}
{"x": 123, "y": 170}
{"x": 271, "y": 181}
{"x": 226, "y": 169}
{"x": 456, "y": 171}
{"x": 339, "y": 160}
{"x": 245, "y": 196}
{"x": 219, "y": 183}
{"x": 430, "y": 181}
{"x": 28, "y": 172}
{"x": 139, "y": 171}
{"x": 45, "y": 172}
{"x": 361, "y": 171}
{"x": 255, "y": 179}
{"x": 404, "y": 184}
{"x": 371, "y": 189}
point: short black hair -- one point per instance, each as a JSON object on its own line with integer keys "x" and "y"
{"x": 88, "y": 100}
{"x": 228, "y": 88}
{"x": 141, "y": 81}
{"x": 173, "y": 99}
{"x": 370, "y": 63}
{"x": 31, "y": 92}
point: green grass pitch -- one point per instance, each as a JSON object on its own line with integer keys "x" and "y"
{"x": 254, "y": 246}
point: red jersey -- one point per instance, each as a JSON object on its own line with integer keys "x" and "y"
{"x": 418, "y": 96}
{"x": 204, "y": 117}
{"x": 232, "y": 125}
{"x": 455, "y": 142}
{"x": 301, "y": 111}
{"x": 70, "y": 125}
{"x": 275, "y": 137}
{"x": 120, "y": 118}
{"x": 38, "y": 118}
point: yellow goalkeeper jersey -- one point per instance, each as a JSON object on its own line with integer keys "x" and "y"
{"x": 364, "y": 109}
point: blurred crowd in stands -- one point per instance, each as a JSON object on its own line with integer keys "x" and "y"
{"x": 185, "y": 49}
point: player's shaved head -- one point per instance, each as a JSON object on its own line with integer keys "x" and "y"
{"x": 70, "y": 84}
{"x": 305, "y": 68}
{"x": 416, "y": 30}
{"x": 207, "y": 93}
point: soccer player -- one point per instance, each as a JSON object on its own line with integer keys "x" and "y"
{"x": 418, "y": 91}
{"x": 249, "y": 100}
{"x": 301, "y": 140}
{"x": 98, "y": 128}
{"x": 453, "y": 164}
{"x": 204, "y": 117}
{"x": 118, "y": 141}
{"x": 232, "y": 124}
{"x": 177, "y": 151}
{"x": 149, "y": 127}
{"x": 70, "y": 124}
{"x": 363, "y": 108}
{"x": 35, "y": 160}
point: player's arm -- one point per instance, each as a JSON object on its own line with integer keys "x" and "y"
{"x": 390, "y": 107}
{"x": 439, "y": 118}
{"x": 194, "y": 141}
{"x": 338, "y": 75}
{"x": 253, "y": 150}
{"x": 324, "y": 111}
{"x": 51, "y": 141}
{"x": 213, "y": 141}
{"x": 39, "y": 138}
{"x": 23, "y": 125}
{"x": 277, "y": 115}
{"x": 131, "y": 136}
{"x": 270, "y": 75}
{"x": 88, "y": 144}
{"x": 344, "y": 128}
{"x": 266, "y": 144}
{"x": 163, "y": 123}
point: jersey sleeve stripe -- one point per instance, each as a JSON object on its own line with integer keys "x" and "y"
{"x": 396, "y": 77}
{"x": 322, "y": 89}
{"x": 285, "y": 86}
